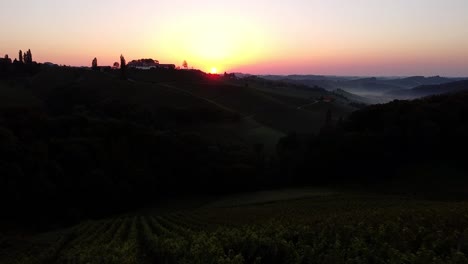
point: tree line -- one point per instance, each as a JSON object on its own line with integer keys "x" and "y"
{"x": 23, "y": 65}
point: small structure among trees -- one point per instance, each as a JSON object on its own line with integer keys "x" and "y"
{"x": 144, "y": 64}
{"x": 149, "y": 64}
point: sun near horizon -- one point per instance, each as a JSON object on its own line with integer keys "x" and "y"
{"x": 336, "y": 37}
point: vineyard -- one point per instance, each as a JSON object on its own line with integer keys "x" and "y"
{"x": 334, "y": 229}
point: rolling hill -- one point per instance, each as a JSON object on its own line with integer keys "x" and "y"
{"x": 370, "y": 87}
{"x": 262, "y": 113}
{"x": 272, "y": 105}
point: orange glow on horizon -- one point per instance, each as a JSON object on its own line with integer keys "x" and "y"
{"x": 335, "y": 37}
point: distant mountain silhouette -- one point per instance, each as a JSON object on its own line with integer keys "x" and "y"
{"x": 427, "y": 90}
{"x": 415, "y": 81}
{"x": 360, "y": 85}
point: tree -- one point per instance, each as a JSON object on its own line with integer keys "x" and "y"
{"x": 94, "y": 64}
{"x": 116, "y": 65}
{"x": 123, "y": 68}
{"x": 28, "y": 57}
{"x": 20, "y": 57}
{"x": 25, "y": 57}
{"x": 185, "y": 64}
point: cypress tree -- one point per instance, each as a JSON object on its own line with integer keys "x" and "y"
{"x": 30, "y": 60}
{"x": 94, "y": 64}
{"x": 123, "y": 68}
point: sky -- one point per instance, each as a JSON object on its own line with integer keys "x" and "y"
{"x": 333, "y": 37}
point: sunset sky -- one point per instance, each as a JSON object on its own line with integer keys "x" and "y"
{"x": 333, "y": 37}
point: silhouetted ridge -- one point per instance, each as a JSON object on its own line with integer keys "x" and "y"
{"x": 427, "y": 90}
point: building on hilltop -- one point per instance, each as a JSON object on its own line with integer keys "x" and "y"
{"x": 143, "y": 64}
{"x": 147, "y": 64}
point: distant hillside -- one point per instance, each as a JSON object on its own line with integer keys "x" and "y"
{"x": 369, "y": 86}
{"x": 411, "y": 82}
{"x": 427, "y": 90}
{"x": 382, "y": 85}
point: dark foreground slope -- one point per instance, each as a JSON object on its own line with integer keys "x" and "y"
{"x": 76, "y": 143}
{"x": 89, "y": 144}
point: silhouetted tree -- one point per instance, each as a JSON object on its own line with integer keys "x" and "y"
{"x": 20, "y": 57}
{"x": 28, "y": 59}
{"x": 185, "y": 64}
{"x": 94, "y": 64}
{"x": 25, "y": 57}
{"x": 116, "y": 65}
{"x": 123, "y": 68}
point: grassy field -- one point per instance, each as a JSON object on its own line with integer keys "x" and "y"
{"x": 289, "y": 226}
